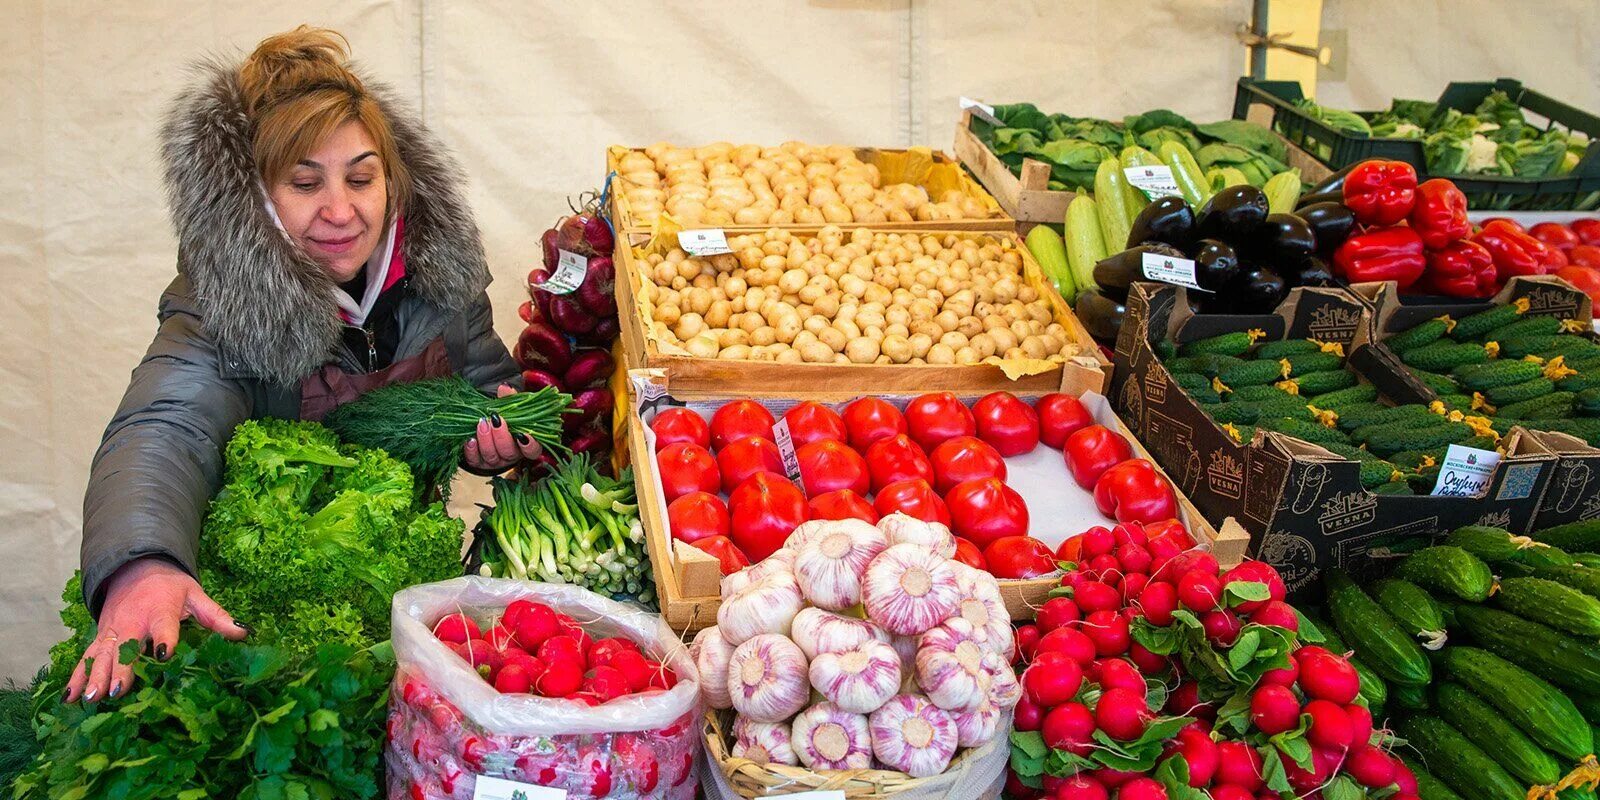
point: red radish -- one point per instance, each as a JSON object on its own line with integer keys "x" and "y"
{"x": 1052, "y": 679}
{"x": 1370, "y": 766}
{"x": 1329, "y": 677}
{"x": 590, "y": 368}
{"x": 1125, "y": 533}
{"x": 1115, "y": 673}
{"x": 1404, "y": 779}
{"x": 1149, "y": 663}
{"x": 1092, "y": 596}
{"x": 1274, "y": 709}
{"x": 1133, "y": 558}
{"x": 1097, "y": 541}
{"x": 1157, "y": 602}
{"x": 1256, "y": 572}
{"x": 1056, "y": 612}
{"x": 1025, "y": 643}
{"x": 1306, "y": 651}
{"x": 1163, "y": 549}
{"x": 1069, "y": 727}
{"x": 458, "y": 627}
{"x": 1238, "y": 764}
{"x": 1285, "y": 676}
{"x": 1184, "y": 701}
{"x": 560, "y": 679}
{"x": 635, "y": 668}
{"x": 1330, "y": 726}
{"x": 1201, "y": 754}
{"x": 1360, "y": 724}
{"x": 1027, "y": 716}
{"x": 571, "y": 628}
{"x": 1122, "y": 714}
{"x": 1080, "y": 787}
{"x": 1109, "y": 631}
{"x": 1222, "y": 627}
{"x": 1276, "y": 612}
{"x": 607, "y": 683}
{"x": 1199, "y": 591}
{"x": 1142, "y": 788}
{"x": 604, "y": 650}
{"x": 513, "y": 679}
{"x": 1070, "y": 642}
{"x": 1132, "y": 584}
{"x": 562, "y": 648}
{"x": 1113, "y": 778}
{"x": 536, "y": 624}
{"x": 1105, "y": 565}
{"x": 1189, "y": 561}
{"x": 1229, "y": 792}
{"x": 1017, "y": 790}
{"x": 1323, "y": 762}
{"x": 499, "y": 637}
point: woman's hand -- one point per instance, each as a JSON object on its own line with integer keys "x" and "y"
{"x": 496, "y": 449}
{"x": 145, "y": 602}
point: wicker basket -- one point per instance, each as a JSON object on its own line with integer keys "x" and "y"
{"x": 982, "y": 766}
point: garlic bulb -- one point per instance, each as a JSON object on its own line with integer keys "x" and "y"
{"x": 1004, "y": 688}
{"x": 978, "y": 728}
{"x": 780, "y": 561}
{"x": 827, "y": 737}
{"x": 763, "y": 742}
{"x": 950, "y": 667}
{"x": 804, "y": 533}
{"x": 909, "y": 590}
{"x": 982, "y": 605}
{"x": 859, "y": 680}
{"x": 900, "y": 528}
{"x": 913, "y": 735}
{"x": 818, "y": 632}
{"x": 767, "y": 678}
{"x": 765, "y": 606}
{"x": 906, "y": 646}
{"x": 711, "y": 654}
{"x": 829, "y": 566}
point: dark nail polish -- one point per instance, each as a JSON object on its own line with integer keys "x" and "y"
{"x": 495, "y": 421}
{"x": 161, "y": 652}
{"x": 147, "y": 646}
{"x": 522, "y": 439}
{"x": 66, "y": 696}
{"x": 116, "y": 690}
{"x": 248, "y": 631}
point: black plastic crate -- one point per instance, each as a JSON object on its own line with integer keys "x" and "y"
{"x": 1578, "y": 190}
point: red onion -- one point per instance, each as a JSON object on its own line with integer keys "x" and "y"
{"x": 593, "y": 403}
{"x": 541, "y": 298}
{"x": 569, "y": 316}
{"x": 547, "y": 243}
{"x": 527, "y": 312}
{"x": 591, "y": 440}
{"x": 569, "y": 234}
{"x": 605, "y": 330}
{"x": 597, "y": 232}
{"x": 597, "y": 293}
{"x": 543, "y": 347}
{"x": 536, "y": 379}
{"x": 589, "y": 368}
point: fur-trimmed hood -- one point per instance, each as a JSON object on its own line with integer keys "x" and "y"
{"x": 265, "y": 303}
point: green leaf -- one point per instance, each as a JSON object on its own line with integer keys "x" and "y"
{"x": 1272, "y": 770}
{"x": 1294, "y": 745}
{"x": 1188, "y": 618}
{"x": 1238, "y": 593}
{"x": 1235, "y": 713}
{"x": 1244, "y": 649}
{"x": 1163, "y": 641}
{"x": 1161, "y": 730}
{"x": 1029, "y": 743}
{"x": 1341, "y": 787}
{"x": 94, "y": 764}
{"x": 1155, "y": 696}
{"x": 1309, "y": 632}
{"x": 1061, "y": 764}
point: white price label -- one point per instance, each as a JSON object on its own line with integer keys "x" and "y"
{"x": 983, "y": 111}
{"x": 704, "y": 242}
{"x": 1155, "y": 182}
{"x": 487, "y": 788}
{"x": 1176, "y": 271}
{"x": 570, "y": 271}
{"x": 785, "y": 441}
{"x": 1466, "y": 472}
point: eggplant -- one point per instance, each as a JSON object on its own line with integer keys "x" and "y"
{"x": 1281, "y": 238}
{"x": 1334, "y": 182}
{"x": 1321, "y": 197}
{"x": 1310, "y": 271}
{"x": 1168, "y": 220}
{"x": 1215, "y": 264}
{"x": 1331, "y": 223}
{"x": 1101, "y": 315}
{"x": 1256, "y": 290}
{"x": 1232, "y": 214}
{"x": 1117, "y": 272}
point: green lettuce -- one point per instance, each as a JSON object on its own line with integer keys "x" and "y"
{"x": 1247, "y": 135}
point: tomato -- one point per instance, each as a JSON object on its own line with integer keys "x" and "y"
{"x": 1135, "y": 491}
{"x": 985, "y": 510}
{"x": 731, "y": 557}
{"x": 1584, "y": 255}
{"x": 686, "y": 468}
{"x": 1170, "y": 528}
{"x": 969, "y": 554}
{"x": 813, "y": 422}
{"x": 696, "y": 516}
{"x": 963, "y": 459}
{"x": 870, "y": 419}
{"x": 914, "y": 498}
{"x": 828, "y": 465}
{"x": 745, "y": 457}
{"x": 896, "y": 458}
{"x": 1009, "y": 424}
{"x": 1555, "y": 234}
{"x": 1587, "y": 230}
{"x": 765, "y": 509}
{"x": 1019, "y": 557}
{"x": 1060, "y": 416}
{"x": 1093, "y": 450}
{"x": 933, "y": 418}
{"x": 1585, "y": 279}
{"x": 738, "y": 419}
{"x": 842, "y": 504}
{"x": 680, "y": 425}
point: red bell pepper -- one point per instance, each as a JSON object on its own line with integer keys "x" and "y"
{"x": 1585, "y": 279}
{"x": 1384, "y": 254}
{"x": 1584, "y": 255}
{"x": 1588, "y": 230}
{"x": 1555, "y": 234}
{"x": 1381, "y": 192}
{"x": 1463, "y": 269}
{"x": 1440, "y": 215}
{"x": 1517, "y": 253}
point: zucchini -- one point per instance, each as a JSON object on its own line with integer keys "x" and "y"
{"x": 1496, "y": 546}
{"x": 1134, "y": 156}
{"x": 1377, "y": 638}
{"x": 1428, "y": 786}
{"x": 1051, "y": 253}
{"x": 1486, "y": 728}
{"x": 1282, "y": 191}
{"x": 1286, "y": 347}
{"x": 1186, "y": 172}
{"x": 1554, "y": 604}
{"x": 1234, "y": 344}
{"x": 1084, "y": 239}
{"x": 1582, "y": 536}
{"x": 1451, "y": 756}
{"x": 1420, "y": 335}
{"x": 1472, "y": 326}
{"x": 1444, "y": 356}
{"x": 1542, "y": 712}
{"x": 1480, "y": 377}
{"x": 1373, "y": 689}
{"x": 1561, "y": 659}
{"x": 1114, "y": 205}
{"x": 1448, "y": 569}
{"x": 1414, "y": 609}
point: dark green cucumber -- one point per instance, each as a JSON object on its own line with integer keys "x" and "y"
{"x": 1373, "y": 688}
{"x": 1489, "y": 730}
{"x": 1286, "y": 347}
{"x": 1420, "y": 335}
{"x": 1481, "y": 377}
{"x": 1581, "y": 536}
{"x": 1376, "y": 637}
{"x": 1354, "y": 418}
{"x": 1360, "y": 395}
{"x": 1540, "y": 710}
{"x": 1584, "y": 579}
{"x": 1409, "y": 698}
{"x": 1207, "y": 365}
{"x": 1257, "y": 393}
{"x": 1458, "y": 761}
{"x": 1429, "y": 787}
{"x": 1313, "y": 432}
{"x": 1228, "y": 344}
{"x": 1303, "y": 363}
{"x": 1472, "y": 326}
{"x": 1555, "y": 656}
{"x": 1251, "y": 373}
{"x": 1413, "y": 608}
{"x": 1518, "y": 392}
{"x": 1551, "y": 603}
{"x": 1440, "y": 384}
{"x": 1444, "y": 356}
{"x": 1550, "y": 406}
{"x": 1314, "y": 384}
{"x": 1531, "y": 326}
{"x": 1448, "y": 569}
{"x": 1197, "y": 386}
{"x": 1496, "y": 546}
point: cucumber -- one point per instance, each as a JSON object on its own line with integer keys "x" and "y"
{"x": 1420, "y": 335}
{"x": 1252, "y": 372}
{"x": 1540, "y": 649}
{"x": 1589, "y": 706}
{"x": 1234, "y": 344}
{"x": 1197, "y": 386}
{"x": 1587, "y": 402}
{"x": 1496, "y": 546}
{"x": 1313, "y": 432}
{"x": 1444, "y": 356}
{"x": 1440, "y": 384}
{"x": 1486, "y": 728}
{"x": 1584, "y": 579}
{"x": 1359, "y": 395}
{"x": 1231, "y": 412}
{"x": 1051, "y": 253}
{"x": 1448, "y": 569}
{"x": 1583, "y": 535}
{"x": 1409, "y": 698}
{"x": 1532, "y": 326}
{"x": 1480, "y": 377}
{"x": 1428, "y": 786}
{"x": 1458, "y": 761}
{"x": 1258, "y": 392}
{"x": 1373, "y": 689}
{"x": 1518, "y": 392}
{"x": 1590, "y": 560}
{"x": 1084, "y": 239}
{"x": 1414, "y": 609}
{"x": 1383, "y": 415}
{"x": 1391, "y": 440}
{"x": 1474, "y": 325}
{"x": 1303, "y": 363}
{"x": 1286, "y": 347}
{"x": 1315, "y": 384}
{"x": 1377, "y": 638}
{"x": 1540, "y": 710}
{"x": 1551, "y": 603}
{"x": 1209, "y": 365}
{"x": 1551, "y": 406}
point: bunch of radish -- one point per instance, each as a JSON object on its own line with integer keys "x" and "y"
{"x": 571, "y": 323}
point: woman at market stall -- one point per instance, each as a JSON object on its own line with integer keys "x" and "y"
{"x": 324, "y": 249}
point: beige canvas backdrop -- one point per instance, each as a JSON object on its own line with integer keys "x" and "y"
{"x": 528, "y": 94}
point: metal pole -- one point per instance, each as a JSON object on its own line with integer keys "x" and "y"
{"x": 1258, "y": 52}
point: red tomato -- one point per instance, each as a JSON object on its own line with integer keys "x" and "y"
{"x": 896, "y": 458}
{"x": 969, "y": 554}
{"x": 739, "y": 419}
{"x": 1170, "y": 528}
{"x": 933, "y": 418}
{"x": 870, "y": 419}
{"x": 1094, "y": 450}
{"x": 813, "y": 422}
{"x": 1009, "y": 424}
{"x": 696, "y": 516}
{"x": 963, "y": 459}
{"x": 842, "y": 504}
{"x": 731, "y": 557}
{"x": 985, "y": 510}
{"x": 687, "y": 468}
{"x": 1586, "y": 279}
{"x": 1135, "y": 491}
{"x": 1555, "y": 234}
{"x": 914, "y": 498}
{"x": 745, "y": 457}
{"x": 1588, "y": 230}
{"x": 676, "y": 425}
{"x": 765, "y": 509}
{"x": 1584, "y": 255}
{"x": 1060, "y": 416}
{"x": 1018, "y": 557}
{"x": 828, "y": 465}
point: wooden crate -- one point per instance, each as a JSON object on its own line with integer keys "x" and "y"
{"x": 1028, "y": 198}
{"x": 642, "y": 350}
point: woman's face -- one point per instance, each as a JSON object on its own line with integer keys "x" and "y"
{"x": 334, "y": 201}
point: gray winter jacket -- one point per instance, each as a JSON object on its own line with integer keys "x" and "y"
{"x": 249, "y": 316}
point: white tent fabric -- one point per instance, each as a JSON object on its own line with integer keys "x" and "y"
{"x": 529, "y": 93}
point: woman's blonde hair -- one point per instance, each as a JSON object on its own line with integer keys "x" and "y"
{"x": 298, "y": 88}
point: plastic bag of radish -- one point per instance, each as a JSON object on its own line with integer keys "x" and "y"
{"x": 448, "y": 725}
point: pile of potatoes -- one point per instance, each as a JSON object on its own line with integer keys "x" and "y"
{"x": 793, "y": 183}
{"x": 853, "y": 297}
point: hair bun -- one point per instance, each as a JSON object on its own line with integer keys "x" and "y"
{"x": 295, "y": 62}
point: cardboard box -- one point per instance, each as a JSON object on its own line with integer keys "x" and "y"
{"x": 1304, "y": 507}
{"x": 687, "y": 579}
{"x": 1574, "y": 490}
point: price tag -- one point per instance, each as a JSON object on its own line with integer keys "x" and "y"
{"x": 570, "y": 270}
{"x": 982, "y": 111}
{"x": 791, "y": 461}
{"x": 1466, "y": 472}
{"x": 704, "y": 242}
{"x": 1155, "y": 182}
{"x": 487, "y": 788}
{"x": 1176, "y": 271}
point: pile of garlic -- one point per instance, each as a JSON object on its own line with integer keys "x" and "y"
{"x": 925, "y": 673}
